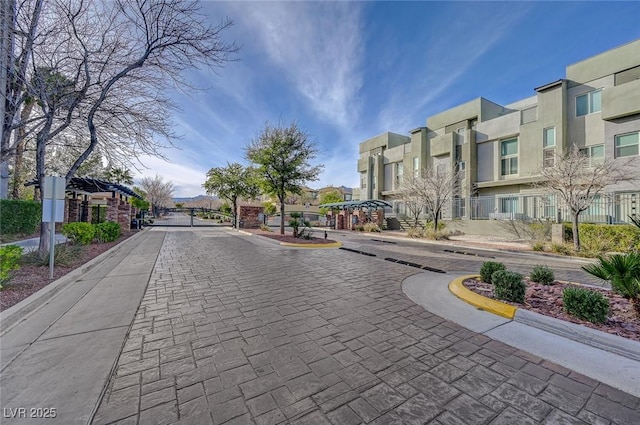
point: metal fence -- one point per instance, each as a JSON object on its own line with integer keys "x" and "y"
{"x": 607, "y": 208}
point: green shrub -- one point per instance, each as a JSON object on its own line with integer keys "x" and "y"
{"x": 265, "y": 228}
{"x": 79, "y": 233}
{"x": 543, "y": 275}
{"x": 487, "y": 270}
{"x": 562, "y": 249}
{"x": 9, "y": 261}
{"x": 437, "y": 235}
{"x": 586, "y": 304}
{"x": 603, "y": 238}
{"x": 508, "y": 286}
{"x": 63, "y": 255}
{"x": 19, "y": 217}
{"x": 358, "y": 227}
{"x": 371, "y": 227}
{"x": 416, "y": 232}
{"x": 538, "y": 246}
{"x": 429, "y": 225}
{"x": 108, "y": 231}
{"x": 623, "y": 271}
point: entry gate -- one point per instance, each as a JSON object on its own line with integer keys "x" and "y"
{"x": 190, "y": 217}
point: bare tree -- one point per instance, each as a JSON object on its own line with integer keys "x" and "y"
{"x": 579, "y": 180}
{"x": 99, "y": 70}
{"x": 433, "y": 189}
{"x": 411, "y": 193}
{"x": 159, "y": 192}
{"x": 282, "y": 155}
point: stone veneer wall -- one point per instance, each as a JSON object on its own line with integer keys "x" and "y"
{"x": 72, "y": 213}
{"x": 124, "y": 216}
{"x": 249, "y": 217}
{"x": 112, "y": 209}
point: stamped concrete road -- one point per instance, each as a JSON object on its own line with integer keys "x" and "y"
{"x": 236, "y": 330}
{"x": 209, "y": 326}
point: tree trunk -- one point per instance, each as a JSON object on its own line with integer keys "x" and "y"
{"x": 18, "y": 180}
{"x": 576, "y": 234}
{"x": 41, "y": 141}
{"x": 235, "y": 213}
{"x": 282, "y": 216}
{"x": 435, "y": 221}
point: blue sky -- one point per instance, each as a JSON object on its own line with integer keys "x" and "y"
{"x": 348, "y": 71}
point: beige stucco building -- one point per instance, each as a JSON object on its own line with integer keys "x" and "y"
{"x": 499, "y": 149}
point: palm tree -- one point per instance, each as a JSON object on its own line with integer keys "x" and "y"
{"x": 623, "y": 271}
{"x": 120, "y": 176}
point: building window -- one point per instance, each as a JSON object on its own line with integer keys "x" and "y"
{"x": 509, "y": 157}
{"x": 416, "y": 166}
{"x": 594, "y": 153}
{"x": 509, "y": 205}
{"x": 399, "y": 173}
{"x": 363, "y": 180}
{"x": 627, "y": 144}
{"x": 589, "y": 103}
{"x": 529, "y": 115}
{"x": 549, "y": 158}
{"x": 549, "y": 137}
{"x": 461, "y": 167}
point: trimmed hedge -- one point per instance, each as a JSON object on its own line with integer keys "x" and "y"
{"x": 107, "y": 231}
{"x": 81, "y": 233}
{"x": 18, "y": 217}
{"x": 600, "y": 238}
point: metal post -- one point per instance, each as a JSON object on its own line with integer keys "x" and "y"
{"x": 52, "y": 231}
{"x": 191, "y": 215}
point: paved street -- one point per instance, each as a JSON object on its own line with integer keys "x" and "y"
{"x": 233, "y": 329}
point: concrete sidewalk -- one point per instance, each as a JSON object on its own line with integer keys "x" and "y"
{"x": 431, "y": 291}
{"x": 60, "y": 345}
{"x": 31, "y": 244}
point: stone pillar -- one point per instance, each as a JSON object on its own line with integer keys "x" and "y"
{"x": 557, "y": 234}
{"x": 73, "y": 210}
{"x": 249, "y": 217}
{"x": 112, "y": 209}
{"x": 124, "y": 216}
{"x": 85, "y": 211}
{"x": 340, "y": 220}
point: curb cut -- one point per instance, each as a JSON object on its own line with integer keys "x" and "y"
{"x": 585, "y": 335}
{"x": 18, "y": 312}
{"x": 483, "y": 303}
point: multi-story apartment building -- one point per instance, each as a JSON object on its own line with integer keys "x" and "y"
{"x": 500, "y": 150}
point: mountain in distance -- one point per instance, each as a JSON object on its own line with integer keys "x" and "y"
{"x": 196, "y": 198}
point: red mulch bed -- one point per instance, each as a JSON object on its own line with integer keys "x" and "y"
{"x": 29, "y": 279}
{"x": 547, "y": 300}
{"x": 288, "y": 237}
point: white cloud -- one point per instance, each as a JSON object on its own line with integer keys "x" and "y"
{"x": 449, "y": 53}
{"x": 187, "y": 179}
{"x": 318, "y": 47}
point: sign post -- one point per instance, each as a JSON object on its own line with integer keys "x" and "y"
{"x": 53, "y": 211}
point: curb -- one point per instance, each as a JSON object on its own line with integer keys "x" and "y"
{"x": 18, "y": 312}
{"x": 585, "y": 335}
{"x": 483, "y": 303}
{"x": 311, "y": 246}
